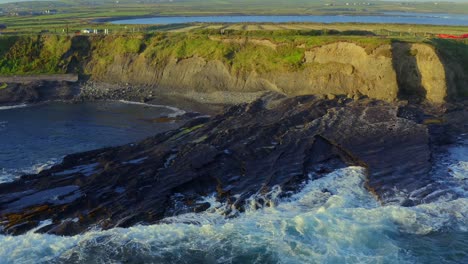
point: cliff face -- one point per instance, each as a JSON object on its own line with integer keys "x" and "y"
{"x": 421, "y": 73}
{"x": 389, "y": 72}
{"x": 346, "y": 68}
{"x": 433, "y": 75}
{"x": 182, "y": 64}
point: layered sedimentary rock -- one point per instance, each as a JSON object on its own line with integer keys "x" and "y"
{"x": 389, "y": 72}
{"x": 356, "y": 71}
{"x": 420, "y": 72}
{"x": 248, "y": 151}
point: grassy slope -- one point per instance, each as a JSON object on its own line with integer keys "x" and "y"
{"x": 52, "y": 54}
{"x": 34, "y": 54}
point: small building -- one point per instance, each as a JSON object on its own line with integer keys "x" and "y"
{"x": 19, "y": 13}
{"x": 92, "y": 31}
{"x": 3, "y": 26}
{"x": 50, "y": 11}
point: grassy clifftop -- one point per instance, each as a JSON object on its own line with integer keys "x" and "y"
{"x": 243, "y": 51}
{"x": 32, "y": 54}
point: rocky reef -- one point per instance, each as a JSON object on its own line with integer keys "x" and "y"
{"x": 37, "y": 88}
{"x": 273, "y": 143}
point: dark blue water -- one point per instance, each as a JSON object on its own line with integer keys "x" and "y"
{"x": 33, "y": 137}
{"x": 390, "y": 18}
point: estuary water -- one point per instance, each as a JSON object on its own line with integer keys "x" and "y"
{"x": 386, "y": 18}
{"x": 346, "y": 224}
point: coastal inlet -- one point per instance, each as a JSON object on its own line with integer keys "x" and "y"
{"x": 34, "y": 137}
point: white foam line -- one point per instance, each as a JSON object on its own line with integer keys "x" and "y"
{"x": 10, "y": 175}
{"x": 177, "y": 111}
{"x": 333, "y": 219}
{"x": 13, "y": 106}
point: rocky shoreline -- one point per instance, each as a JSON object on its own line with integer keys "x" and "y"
{"x": 246, "y": 151}
{"x": 38, "y": 91}
{"x": 44, "y": 91}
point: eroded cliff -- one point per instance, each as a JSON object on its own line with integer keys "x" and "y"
{"x": 185, "y": 63}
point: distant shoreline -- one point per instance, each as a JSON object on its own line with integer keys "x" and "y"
{"x": 380, "y": 13}
{"x": 116, "y": 18}
{"x": 417, "y": 18}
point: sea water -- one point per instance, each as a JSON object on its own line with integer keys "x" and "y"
{"x": 34, "y": 137}
{"x": 386, "y": 18}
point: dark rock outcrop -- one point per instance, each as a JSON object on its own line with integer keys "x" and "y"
{"x": 250, "y": 149}
{"x": 38, "y": 91}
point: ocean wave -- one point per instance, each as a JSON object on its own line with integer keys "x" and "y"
{"x": 333, "y": 219}
{"x": 177, "y": 111}
{"x": 8, "y": 107}
{"x": 451, "y": 168}
{"x": 9, "y": 175}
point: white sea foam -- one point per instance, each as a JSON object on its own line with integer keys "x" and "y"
{"x": 9, "y": 175}
{"x": 5, "y": 176}
{"x": 43, "y": 166}
{"x": 460, "y": 170}
{"x": 332, "y": 220}
{"x": 452, "y": 167}
{"x": 459, "y": 158}
{"x": 8, "y": 107}
{"x": 177, "y": 111}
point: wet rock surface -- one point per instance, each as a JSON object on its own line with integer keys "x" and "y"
{"x": 250, "y": 149}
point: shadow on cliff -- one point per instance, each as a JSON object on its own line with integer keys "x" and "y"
{"x": 454, "y": 57}
{"x": 80, "y": 49}
{"x": 407, "y": 73}
{"x": 6, "y": 44}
